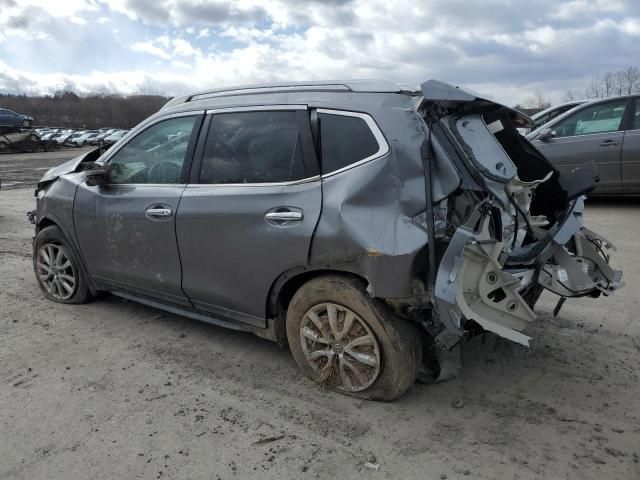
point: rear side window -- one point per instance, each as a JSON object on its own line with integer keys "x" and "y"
{"x": 345, "y": 140}
{"x": 252, "y": 147}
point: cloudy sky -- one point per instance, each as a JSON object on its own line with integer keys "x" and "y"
{"x": 504, "y": 48}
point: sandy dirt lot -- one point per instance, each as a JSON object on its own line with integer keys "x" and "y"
{"x": 22, "y": 170}
{"x": 115, "y": 390}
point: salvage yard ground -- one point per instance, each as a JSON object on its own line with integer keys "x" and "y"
{"x": 116, "y": 390}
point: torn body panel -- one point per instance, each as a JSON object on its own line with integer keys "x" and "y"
{"x": 495, "y": 265}
{"x": 372, "y": 220}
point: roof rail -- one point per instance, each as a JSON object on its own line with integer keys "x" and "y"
{"x": 379, "y": 86}
{"x": 269, "y": 89}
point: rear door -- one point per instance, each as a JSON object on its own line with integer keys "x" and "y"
{"x": 630, "y": 162}
{"x": 591, "y": 133}
{"x": 126, "y": 229}
{"x": 250, "y": 214}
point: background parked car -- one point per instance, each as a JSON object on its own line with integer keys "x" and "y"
{"x": 21, "y": 141}
{"x": 9, "y": 118}
{"x": 99, "y": 139}
{"x": 70, "y": 141}
{"x": 62, "y": 136}
{"x": 606, "y": 131}
{"x": 115, "y": 136}
{"x": 83, "y": 139}
{"x": 49, "y": 134}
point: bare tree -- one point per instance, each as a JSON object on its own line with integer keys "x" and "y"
{"x": 594, "y": 88}
{"x": 573, "y": 94}
{"x": 630, "y": 80}
{"x": 538, "y": 100}
{"x": 607, "y": 81}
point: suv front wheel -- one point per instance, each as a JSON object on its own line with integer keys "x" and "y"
{"x": 347, "y": 341}
{"x": 59, "y": 273}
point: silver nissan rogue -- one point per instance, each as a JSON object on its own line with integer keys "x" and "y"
{"x": 371, "y": 228}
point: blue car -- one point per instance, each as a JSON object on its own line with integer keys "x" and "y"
{"x": 9, "y": 118}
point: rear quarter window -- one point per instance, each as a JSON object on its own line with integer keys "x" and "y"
{"x": 345, "y": 140}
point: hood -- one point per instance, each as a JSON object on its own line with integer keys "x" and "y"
{"x": 69, "y": 167}
{"x": 451, "y": 97}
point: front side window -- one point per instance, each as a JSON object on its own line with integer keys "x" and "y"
{"x": 156, "y": 155}
{"x": 345, "y": 140}
{"x": 600, "y": 118}
{"x": 252, "y": 147}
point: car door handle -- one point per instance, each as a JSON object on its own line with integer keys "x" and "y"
{"x": 609, "y": 143}
{"x": 286, "y": 215}
{"x": 156, "y": 213}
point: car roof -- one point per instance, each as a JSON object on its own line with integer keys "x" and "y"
{"x": 328, "y": 86}
{"x": 575, "y": 103}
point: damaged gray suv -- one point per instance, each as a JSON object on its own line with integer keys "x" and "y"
{"x": 370, "y": 228}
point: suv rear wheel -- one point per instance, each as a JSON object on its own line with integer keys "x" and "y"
{"x": 59, "y": 273}
{"x": 347, "y": 341}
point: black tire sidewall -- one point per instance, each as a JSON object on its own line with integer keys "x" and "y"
{"x": 52, "y": 234}
{"x": 400, "y": 348}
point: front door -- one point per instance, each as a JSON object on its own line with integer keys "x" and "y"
{"x": 126, "y": 229}
{"x": 252, "y": 215}
{"x": 592, "y": 133}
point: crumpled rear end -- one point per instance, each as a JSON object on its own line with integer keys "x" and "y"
{"x": 513, "y": 229}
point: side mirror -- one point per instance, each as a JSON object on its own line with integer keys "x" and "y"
{"x": 546, "y": 134}
{"x": 98, "y": 175}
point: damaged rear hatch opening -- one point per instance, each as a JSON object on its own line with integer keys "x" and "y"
{"x": 513, "y": 227}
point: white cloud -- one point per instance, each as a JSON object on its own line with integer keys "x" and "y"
{"x": 183, "y": 48}
{"x": 151, "y": 49}
{"x": 497, "y": 46}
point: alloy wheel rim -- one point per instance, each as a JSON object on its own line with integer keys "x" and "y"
{"x": 55, "y": 271}
{"x": 340, "y": 347}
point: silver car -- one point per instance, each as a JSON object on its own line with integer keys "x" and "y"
{"x": 605, "y": 132}
{"x": 370, "y": 228}
{"x": 545, "y": 116}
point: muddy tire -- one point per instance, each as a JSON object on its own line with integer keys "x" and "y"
{"x": 26, "y": 123}
{"x": 346, "y": 341}
{"x": 59, "y": 274}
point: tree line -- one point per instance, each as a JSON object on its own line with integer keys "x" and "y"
{"x": 625, "y": 81}
{"x": 67, "y": 109}
{"x": 608, "y": 84}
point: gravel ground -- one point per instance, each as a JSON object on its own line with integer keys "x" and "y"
{"x": 115, "y": 390}
{"x": 22, "y": 170}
